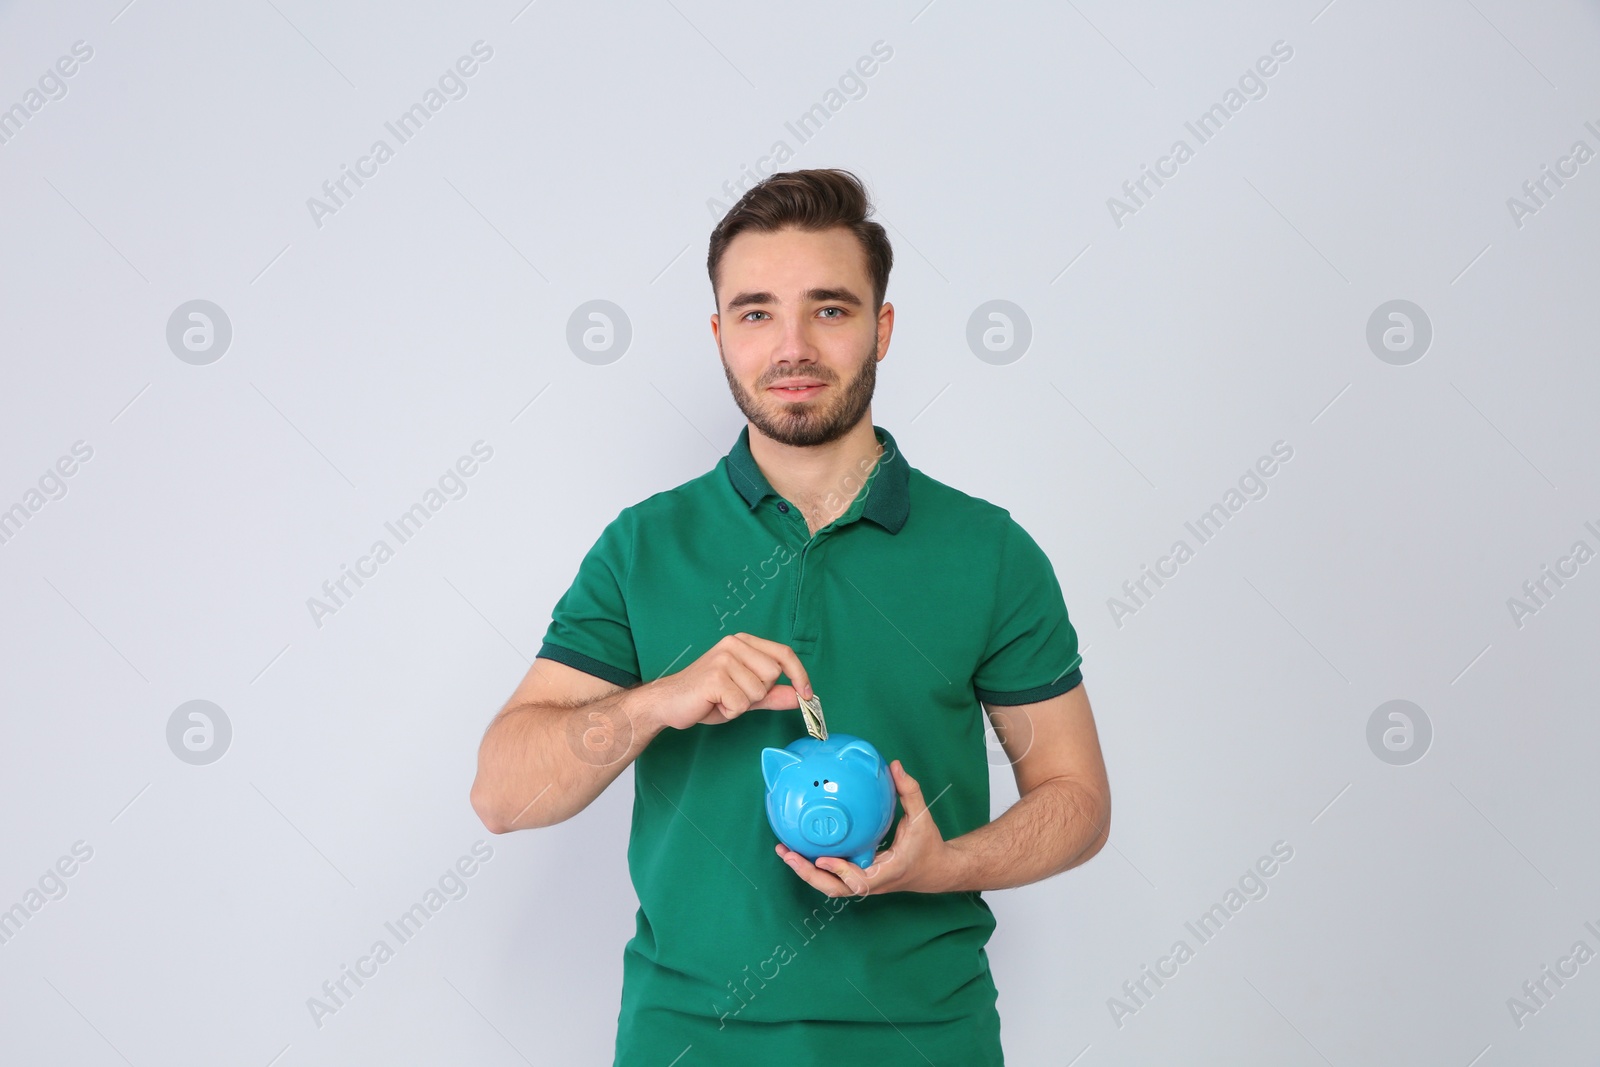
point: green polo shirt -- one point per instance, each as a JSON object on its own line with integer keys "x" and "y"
{"x": 910, "y": 608}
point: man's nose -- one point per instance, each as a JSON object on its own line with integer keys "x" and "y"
{"x": 795, "y": 344}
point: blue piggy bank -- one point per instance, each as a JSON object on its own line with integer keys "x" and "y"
{"x": 829, "y": 798}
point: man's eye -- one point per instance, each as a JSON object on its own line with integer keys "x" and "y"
{"x": 839, "y": 310}
{"x": 747, "y": 314}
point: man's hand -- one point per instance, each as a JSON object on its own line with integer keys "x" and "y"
{"x": 735, "y": 675}
{"x": 918, "y": 861}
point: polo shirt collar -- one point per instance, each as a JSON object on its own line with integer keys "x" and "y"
{"x": 888, "y": 500}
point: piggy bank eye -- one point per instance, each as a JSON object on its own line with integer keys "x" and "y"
{"x": 824, "y": 781}
{"x": 816, "y": 783}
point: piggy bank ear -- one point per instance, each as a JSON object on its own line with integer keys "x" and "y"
{"x": 773, "y": 762}
{"x": 860, "y": 752}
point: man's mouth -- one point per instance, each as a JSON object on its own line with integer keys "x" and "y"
{"x": 803, "y": 391}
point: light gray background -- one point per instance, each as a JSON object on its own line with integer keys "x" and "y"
{"x": 1168, "y": 354}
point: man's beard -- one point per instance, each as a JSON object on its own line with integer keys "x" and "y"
{"x": 810, "y": 423}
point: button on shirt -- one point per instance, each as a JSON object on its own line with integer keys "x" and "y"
{"x": 913, "y": 606}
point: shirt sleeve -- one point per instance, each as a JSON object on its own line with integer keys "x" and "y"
{"x": 1032, "y": 652}
{"x": 589, "y": 627}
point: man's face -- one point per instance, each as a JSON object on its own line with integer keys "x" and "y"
{"x": 796, "y": 311}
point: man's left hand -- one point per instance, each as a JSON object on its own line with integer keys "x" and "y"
{"x": 918, "y": 861}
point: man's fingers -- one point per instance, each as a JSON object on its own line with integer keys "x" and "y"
{"x": 813, "y": 875}
{"x": 786, "y": 659}
{"x": 744, "y": 675}
{"x": 756, "y": 671}
{"x": 910, "y": 791}
{"x": 749, "y": 683}
{"x": 854, "y": 878}
{"x": 780, "y": 698}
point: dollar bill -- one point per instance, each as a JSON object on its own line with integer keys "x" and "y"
{"x": 816, "y": 725}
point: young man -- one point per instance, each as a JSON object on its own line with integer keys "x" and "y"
{"x": 811, "y": 559}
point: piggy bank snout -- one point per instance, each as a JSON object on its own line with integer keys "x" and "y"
{"x": 824, "y": 822}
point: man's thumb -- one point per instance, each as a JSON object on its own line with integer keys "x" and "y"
{"x": 780, "y": 698}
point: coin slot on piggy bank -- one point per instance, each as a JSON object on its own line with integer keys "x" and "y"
{"x": 829, "y": 798}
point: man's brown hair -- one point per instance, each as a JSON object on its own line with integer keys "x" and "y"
{"x": 808, "y": 200}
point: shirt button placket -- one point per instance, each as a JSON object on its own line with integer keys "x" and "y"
{"x": 806, "y": 625}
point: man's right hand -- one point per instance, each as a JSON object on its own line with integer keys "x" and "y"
{"x": 737, "y": 674}
{"x": 565, "y": 734}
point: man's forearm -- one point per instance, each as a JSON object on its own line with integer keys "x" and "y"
{"x": 1056, "y": 826}
{"x": 541, "y": 764}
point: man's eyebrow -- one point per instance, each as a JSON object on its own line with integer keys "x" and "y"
{"x": 744, "y": 299}
{"x": 842, "y": 296}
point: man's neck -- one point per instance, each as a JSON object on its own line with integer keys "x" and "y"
{"x": 822, "y": 480}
